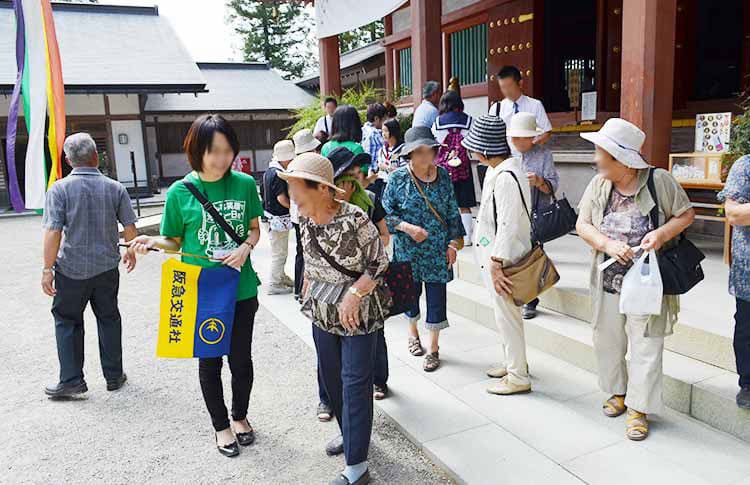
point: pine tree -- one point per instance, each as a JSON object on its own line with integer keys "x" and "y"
{"x": 361, "y": 36}
{"x": 275, "y": 33}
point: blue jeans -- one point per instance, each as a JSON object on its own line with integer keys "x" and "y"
{"x": 436, "y": 295}
{"x": 347, "y": 367}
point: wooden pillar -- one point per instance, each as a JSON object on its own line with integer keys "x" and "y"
{"x": 648, "y": 75}
{"x": 110, "y": 143}
{"x": 390, "y": 80}
{"x": 426, "y": 42}
{"x": 330, "y": 63}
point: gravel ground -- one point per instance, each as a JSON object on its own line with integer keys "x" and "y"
{"x": 156, "y": 429}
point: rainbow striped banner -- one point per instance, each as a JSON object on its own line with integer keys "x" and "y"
{"x": 40, "y": 84}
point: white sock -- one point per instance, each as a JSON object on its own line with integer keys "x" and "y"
{"x": 468, "y": 223}
{"x": 353, "y": 472}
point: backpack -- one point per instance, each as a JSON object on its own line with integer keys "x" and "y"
{"x": 454, "y": 157}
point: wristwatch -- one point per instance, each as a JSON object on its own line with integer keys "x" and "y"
{"x": 48, "y": 270}
{"x": 354, "y": 291}
{"x": 249, "y": 244}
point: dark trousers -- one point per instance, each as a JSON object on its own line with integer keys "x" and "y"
{"x": 67, "y": 309}
{"x": 742, "y": 341}
{"x": 299, "y": 262}
{"x": 380, "y": 374}
{"x": 240, "y": 364}
{"x": 346, "y": 365}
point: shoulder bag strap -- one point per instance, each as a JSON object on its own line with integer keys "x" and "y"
{"x": 525, "y": 207}
{"x": 334, "y": 264}
{"x": 497, "y": 108}
{"x": 424, "y": 197}
{"x": 209, "y": 207}
{"x": 652, "y": 189}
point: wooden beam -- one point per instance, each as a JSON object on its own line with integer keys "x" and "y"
{"x": 426, "y": 39}
{"x": 648, "y": 77}
{"x": 330, "y": 66}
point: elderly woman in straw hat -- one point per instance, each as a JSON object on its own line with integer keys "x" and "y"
{"x": 614, "y": 221}
{"x": 342, "y": 295}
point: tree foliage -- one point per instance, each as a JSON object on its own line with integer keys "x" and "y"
{"x": 361, "y": 36}
{"x": 275, "y": 33}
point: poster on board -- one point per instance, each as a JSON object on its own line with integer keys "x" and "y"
{"x": 712, "y": 132}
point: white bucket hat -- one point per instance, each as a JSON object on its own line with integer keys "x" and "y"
{"x": 523, "y": 125}
{"x": 621, "y": 139}
{"x": 311, "y": 166}
{"x": 304, "y": 141}
{"x": 283, "y": 151}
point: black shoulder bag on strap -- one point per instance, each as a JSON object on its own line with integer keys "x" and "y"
{"x": 398, "y": 279}
{"x": 555, "y": 220}
{"x": 680, "y": 265}
{"x": 209, "y": 207}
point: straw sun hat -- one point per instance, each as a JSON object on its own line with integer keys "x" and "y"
{"x": 313, "y": 167}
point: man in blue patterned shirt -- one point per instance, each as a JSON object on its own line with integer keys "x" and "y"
{"x": 736, "y": 195}
{"x": 373, "y": 141}
{"x": 81, "y": 268}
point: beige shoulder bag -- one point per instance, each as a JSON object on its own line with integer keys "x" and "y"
{"x": 534, "y": 273}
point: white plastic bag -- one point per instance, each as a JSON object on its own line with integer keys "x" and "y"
{"x": 642, "y": 290}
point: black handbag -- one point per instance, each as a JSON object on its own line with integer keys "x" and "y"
{"x": 398, "y": 280}
{"x": 555, "y": 220}
{"x": 680, "y": 265}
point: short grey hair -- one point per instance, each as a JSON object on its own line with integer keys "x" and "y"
{"x": 79, "y": 149}
{"x": 430, "y": 88}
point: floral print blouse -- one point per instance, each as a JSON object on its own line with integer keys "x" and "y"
{"x": 737, "y": 188}
{"x": 353, "y": 242}
{"x": 403, "y": 203}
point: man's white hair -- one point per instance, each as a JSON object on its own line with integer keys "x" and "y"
{"x": 79, "y": 149}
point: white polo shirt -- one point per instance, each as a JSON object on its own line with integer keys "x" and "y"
{"x": 525, "y": 104}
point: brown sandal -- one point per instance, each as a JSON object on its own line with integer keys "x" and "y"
{"x": 614, "y": 406}
{"x": 431, "y": 362}
{"x": 415, "y": 347}
{"x": 637, "y": 426}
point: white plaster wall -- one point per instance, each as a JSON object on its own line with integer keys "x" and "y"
{"x": 123, "y": 104}
{"x": 476, "y": 107}
{"x": 451, "y": 5}
{"x": 75, "y": 105}
{"x": 401, "y": 19}
{"x": 132, "y": 128}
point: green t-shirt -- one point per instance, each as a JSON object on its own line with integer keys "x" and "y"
{"x": 330, "y": 146}
{"x": 236, "y": 198}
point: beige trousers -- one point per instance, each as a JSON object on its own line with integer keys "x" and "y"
{"x": 279, "y": 251}
{"x": 513, "y": 343}
{"x": 640, "y": 378}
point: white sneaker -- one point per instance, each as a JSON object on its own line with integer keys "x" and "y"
{"x": 279, "y": 290}
{"x": 506, "y": 388}
{"x": 497, "y": 372}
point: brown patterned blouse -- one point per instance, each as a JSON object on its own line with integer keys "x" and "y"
{"x": 354, "y": 243}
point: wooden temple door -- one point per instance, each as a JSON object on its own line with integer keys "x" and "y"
{"x": 609, "y": 54}
{"x": 515, "y": 38}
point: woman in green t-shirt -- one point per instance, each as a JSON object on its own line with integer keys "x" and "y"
{"x": 211, "y": 145}
{"x": 347, "y": 131}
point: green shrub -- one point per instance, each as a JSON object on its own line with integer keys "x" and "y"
{"x": 739, "y": 145}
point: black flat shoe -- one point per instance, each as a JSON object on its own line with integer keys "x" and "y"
{"x": 362, "y": 480}
{"x": 66, "y": 390}
{"x": 335, "y": 446}
{"x": 115, "y": 384}
{"x": 246, "y": 439}
{"x": 231, "y": 450}
{"x": 743, "y": 398}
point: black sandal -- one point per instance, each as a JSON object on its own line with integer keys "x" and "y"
{"x": 415, "y": 347}
{"x": 231, "y": 450}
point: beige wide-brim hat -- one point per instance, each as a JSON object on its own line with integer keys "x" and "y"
{"x": 621, "y": 139}
{"x": 523, "y": 125}
{"x": 311, "y": 166}
{"x": 304, "y": 141}
{"x": 283, "y": 151}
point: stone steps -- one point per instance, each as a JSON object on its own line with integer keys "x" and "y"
{"x": 701, "y": 390}
{"x": 570, "y": 298}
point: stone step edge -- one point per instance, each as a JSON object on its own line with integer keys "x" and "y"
{"x": 703, "y": 391}
{"x": 687, "y": 340}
